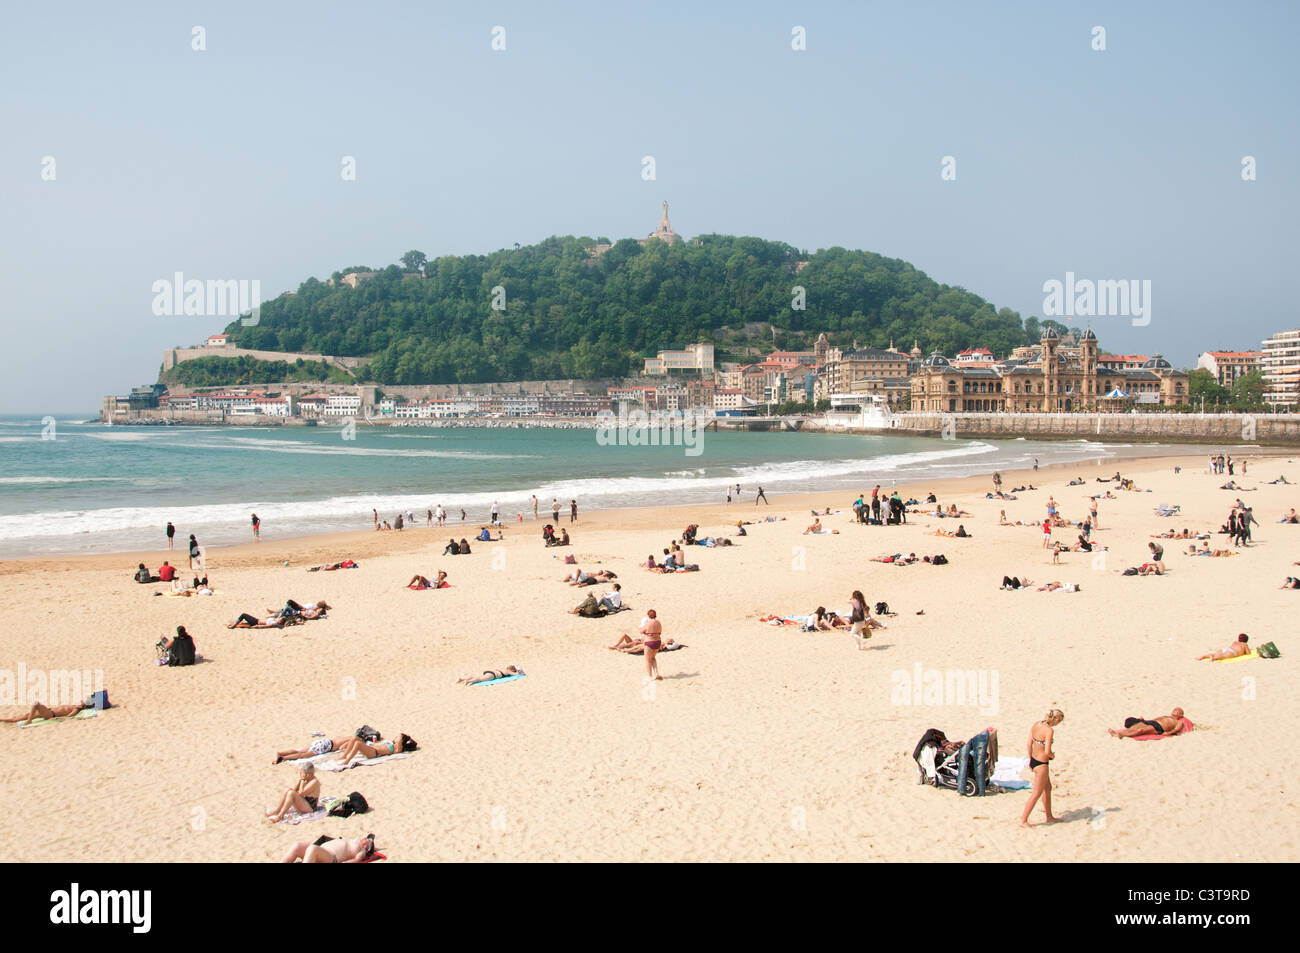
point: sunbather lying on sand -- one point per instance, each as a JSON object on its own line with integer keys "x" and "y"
{"x": 317, "y": 747}
{"x": 490, "y": 675}
{"x": 1171, "y": 724}
{"x": 420, "y": 582}
{"x": 303, "y": 797}
{"x": 633, "y": 646}
{"x": 346, "y": 564}
{"x": 1236, "y": 649}
{"x": 1206, "y": 551}
{"x": 43, "y": 711}
{"x": 333, "y": 850}
{"x": 1059, "y": 586}
{"x": 356, "y": 747}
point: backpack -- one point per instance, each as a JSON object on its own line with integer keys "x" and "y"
{"x": 181, "y": 651}
{"x": 940, "y": 560}
{"x": 354, "y": 803}
{"x": 367, "y": 734}
{"x": 1268, "y": 650}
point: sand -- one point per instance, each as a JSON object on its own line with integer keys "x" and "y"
{"x": 760, "y": 743}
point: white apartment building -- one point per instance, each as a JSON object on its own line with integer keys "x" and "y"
{"x": 342, "y": 405}
{"x": 1279, "y": 362}
{"x": 696, "y": 359}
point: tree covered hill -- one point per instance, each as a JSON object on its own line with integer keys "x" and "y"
{"x": 570, "y": 314}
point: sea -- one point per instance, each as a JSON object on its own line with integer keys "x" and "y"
{"x": 68, "y": 486}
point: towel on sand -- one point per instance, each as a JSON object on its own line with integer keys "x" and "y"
{"x": 1187, "y": 726}
{"x": 498, "y": 681}
{"x": 84, "y": 713}
{"x": 1240, "y": 658}
{"x": 1006, "y": 773}
{"x": 359, "y": 761}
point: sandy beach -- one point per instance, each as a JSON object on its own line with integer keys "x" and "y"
{"x": 761, "y": 742}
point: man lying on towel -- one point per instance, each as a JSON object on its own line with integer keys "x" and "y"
{"x": 1170, "y": 724}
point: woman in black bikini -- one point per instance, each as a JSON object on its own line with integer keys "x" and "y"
{"x": 1040, "y": 753}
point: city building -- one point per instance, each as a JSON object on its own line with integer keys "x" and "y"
{"x": 696, "y": 359}
{"x": 1279, "y": 362}
{"x": 1228, "y": 367}
{"x": 1054, "y": 382}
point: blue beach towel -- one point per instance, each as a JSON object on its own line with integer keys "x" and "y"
{"x": 498, "y": 681}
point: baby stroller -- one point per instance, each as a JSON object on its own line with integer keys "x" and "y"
{"x": 965, "y": 767}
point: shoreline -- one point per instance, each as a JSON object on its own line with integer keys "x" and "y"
{"x": 333, "y": 546}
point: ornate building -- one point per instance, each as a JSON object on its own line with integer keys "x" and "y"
{"x": 665, "y": 231}
{"x": 1058, "y": 380}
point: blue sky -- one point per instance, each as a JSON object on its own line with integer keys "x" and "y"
{"x": 225, "y": 163}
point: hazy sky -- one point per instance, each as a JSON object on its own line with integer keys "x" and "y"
{"x": 225, "y": 163}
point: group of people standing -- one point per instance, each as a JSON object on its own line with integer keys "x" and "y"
{"x": 1239, "y": 521}
{"x": 871, "y": 512}
{"x": 1220, "y": 464}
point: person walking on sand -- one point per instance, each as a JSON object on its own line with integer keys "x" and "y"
{"x": 573, "y": 511}
{"x": 761, "y": 496}
{"x": 196, "y": 555}
{"x": 171, "y": 536}
{"x": 496, "y": 513}
{"x": 257, "y": 529}
{"x": 534, "y": 506}
{"x": 555, "y": 510}
{"x": 1040, "y": 753}
{"x": 375, "y": 514}
{"x": 651, "y": 631}
{"x": 1035, "y": 463}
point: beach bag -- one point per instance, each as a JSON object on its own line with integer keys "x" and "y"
{"x": 354, "y": 803}
{"x": 1268, "y": 650}
{"x": 882, "y": 608}
{"x": 182, "y": 651}
{"x": 569, "y": 560}
{"x": 940, "y": 560}
{"x": 367, "y": 734}
{"x": 99, "y": 700}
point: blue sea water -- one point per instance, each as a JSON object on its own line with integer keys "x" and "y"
{"x": 73, "y": 487}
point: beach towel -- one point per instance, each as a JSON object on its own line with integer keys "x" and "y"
{"x": 84, "y": 713}
{"x": 1187, "y": 726}
{"x": 362, "y": 762}
{"x": 1006, "y": 773}
{"x": 1240, "y": 658}
{"x": 1167, "y": 509}
{"x": 497, "y": 681}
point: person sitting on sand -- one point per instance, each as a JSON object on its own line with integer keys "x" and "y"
{"x": 318, "y": 747}
{"x": 1291, "y": 583}
{"x": 612, "y": 600}
{"x": 49, "y": 712}
{"x": 589, "y": 608}
{"x": 953, "y": 512}
{"x": 1082, "y": 546}
{"x": 564, "y": 538}
{"x": 421, "y": 582}
{"x": 463, "y": 548}
{"x": 142, "y": 574}
{"x": 1170, "y": 724}
{"x": 490, "y": 675}
{"x": 303, "y": 797}
{"x": 651, "y": 564}
{"x": 816, "y": 527}
{"x": 1235, "y": 650}
{"x": 1287, "y": 517}
{"x": 356, "y": 747}
{"x": 452, "y": 548}
{"x": 332, "y": 850}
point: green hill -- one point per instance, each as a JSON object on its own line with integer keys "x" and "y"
{"x": 569, "y": 314}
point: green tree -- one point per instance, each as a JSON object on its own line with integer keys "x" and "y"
{"x": 414, "y": 261}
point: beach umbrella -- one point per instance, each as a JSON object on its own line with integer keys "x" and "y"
{"x": 1117, "y": 393}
